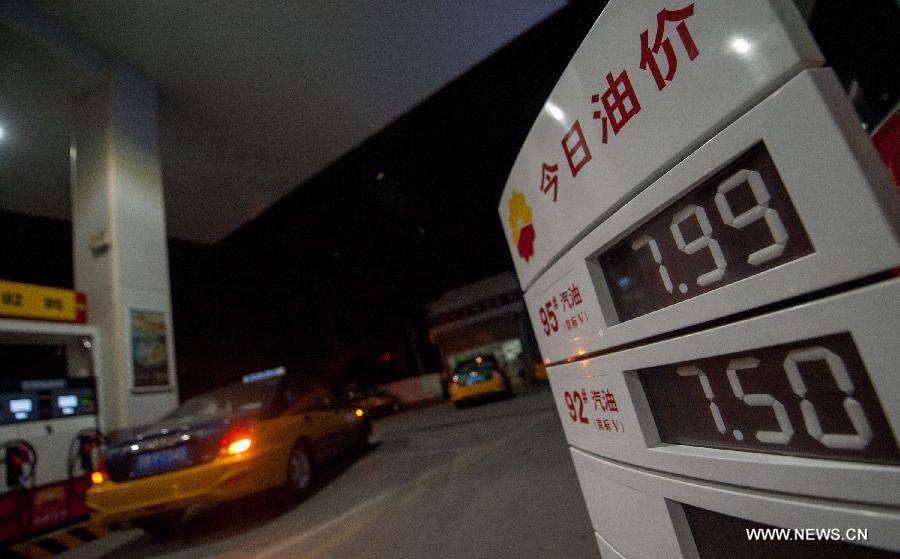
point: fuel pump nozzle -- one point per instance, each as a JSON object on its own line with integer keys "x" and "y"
{"x": 85, "y": 451}
{"x": 21, "y": 464}
{"x": 20, "y": 460}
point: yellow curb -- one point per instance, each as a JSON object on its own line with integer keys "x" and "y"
{"x": 66, "y": 540}
{"x": 32, "y": 550}
{"x": 63, "y": 537}
{"x": 100, "y": 529}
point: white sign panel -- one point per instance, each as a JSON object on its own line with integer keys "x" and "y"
{"x": 630, "y": 520}
{"x": 790, "y": 199}
{"x": 799, "y": 401}
{"x": 589, "y": 409}
{"x": 668, "y": 517}
{"x": 651, "y": 82}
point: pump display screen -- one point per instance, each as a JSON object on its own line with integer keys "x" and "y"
{"x": 74, "y": 401}
{"x": 809, "y": 398}
{"x": 24, "y": 405}
{"x": 736, "y": 224}
{"x": 21, "y": 406}
{"x": 67, "y": 403}
{"x": 17, "y": 408}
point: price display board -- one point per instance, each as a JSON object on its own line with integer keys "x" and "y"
{"x": 652, "y": 81}
{"x": 757, "y": 215}
{"x": 709, "y": 252}
{"x": 801, "y": 401}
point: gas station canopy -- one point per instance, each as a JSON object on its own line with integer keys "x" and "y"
{"x": 254, "y": 98}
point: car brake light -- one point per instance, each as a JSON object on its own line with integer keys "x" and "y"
{"x": 238, "y": 439}
{"x": 99, "y": 475}
{"x": 239, "y": 446}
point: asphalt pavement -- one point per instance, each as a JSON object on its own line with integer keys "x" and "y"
{"x": 495, "y": 480}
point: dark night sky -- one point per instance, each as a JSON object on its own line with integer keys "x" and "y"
{"x": 339, "y": 270}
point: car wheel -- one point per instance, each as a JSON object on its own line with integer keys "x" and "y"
{"x": 460, "y": 404}
{"x": 162, "y": 526}
{"x": 299, "y": 472}
{"x": 365, "y": 440}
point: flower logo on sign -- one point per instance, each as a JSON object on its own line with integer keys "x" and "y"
{"x": 521, "y": 226}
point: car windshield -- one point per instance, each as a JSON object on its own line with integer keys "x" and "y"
{"x": 231, "y": 400}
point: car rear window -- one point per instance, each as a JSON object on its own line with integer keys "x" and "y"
{"x": 477, "y": 364}
{"x": 234, "y": 399}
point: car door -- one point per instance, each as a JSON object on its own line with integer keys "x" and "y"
{"x": 321, "y": 422}
{"x": 349, "y": 423}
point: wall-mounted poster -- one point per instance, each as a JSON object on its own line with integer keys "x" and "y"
{"x": 149, "y": 351}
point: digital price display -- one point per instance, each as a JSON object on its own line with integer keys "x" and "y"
{"x": 21, "y": 405}
{"x": 67, "y": 403}
{"x": 21, "y": 408}
{"x": 806, "y": 398}
{"x": 17, "y": 407}
{"x": 75, "y": 400}
{"x": 736, "y": 224}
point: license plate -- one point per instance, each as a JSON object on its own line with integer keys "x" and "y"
{"x": 162, "y": 460}
{"x": 474, "y": 379}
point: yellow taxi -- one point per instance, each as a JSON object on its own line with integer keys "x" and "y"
{"x": 271, "y": 430}
{"x": 478, "y": 378}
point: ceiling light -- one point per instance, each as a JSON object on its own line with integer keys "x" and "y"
{"x": 2, "y": 133}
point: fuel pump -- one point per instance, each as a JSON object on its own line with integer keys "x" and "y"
{"x": 52, "y": 422}
{"x": 50, "y": 439}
